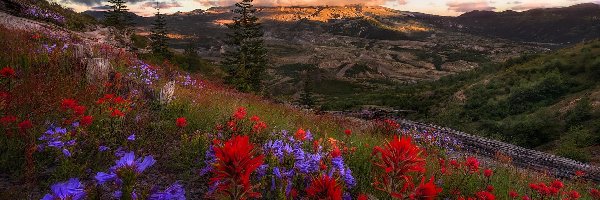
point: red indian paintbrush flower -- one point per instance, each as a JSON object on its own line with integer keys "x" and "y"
{"x": 488, "y": 173}
{"x": 240, "y": 113}
{"x": 485, "y": 195}
{"x": 348, "y": 132}
{"x": 574, "y": 195}
{"x": 426, "y": 191}
{"x": 24, "y": 125}
{"x": 181, "y": 122}
{"x": 86, "y": 120}
{"x": 363, "y": 197}
{"x": 472, "y": 164}
{"x": 513, "y": 194}
{"x": 398, "y": 159}
{"x": 235, "y": 163}
{"x": 595, "y": 193}
{"x": 7, "y": 72}
{"x": 7, "y": 120}
{"x": 255, "y": 118}
{"x": 300, "y": 134}
{"x": 557, "y": 184}
{"x": 324, "y": 187}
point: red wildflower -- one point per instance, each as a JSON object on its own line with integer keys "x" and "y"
{"x": 300, "y": 134}
{"x": 24, "y": 125}
{"x": 105, "y": 99}
{"x": 557, "y": 184}
{"x": 488, "y": 173}
{"x": 7, "y": 72}
{"x": 526, "y": 197}
{"x": 454, "y": 163}
{"x": 240, "y": 113}
{"x": 485, "y": 195}
{"x": 68, "y": 104}
{"x": 513, "y": 194}
{"x": 86, "y": 121}
{"x": 6, "y": 120}
{"x": 595, "y": 193}
{"x": 324, "y": 187}
{"x": 116, "y": 112}
{"x": 235, "y": 163}
{"x": 472, "y": 164}
{"x": 426, "y": 191}
{"x": 293, "y": 193}
{"x": 336, "y": 152}
{"x": 118, "y": 100}
{"x": 398, "y": 158}
{"x": 348, "y": 132}
{"x": 489, "y": 188}
{"x": 259, "y": 126}
{"x": 181, "y": 122}
{"x": 36, "y": 36}
{"x": 574, "y": 194}
{"x": 255, "y": 118}
{"x": 579, "y": 173}
{"x": 79, "y": 110}
{"x": 363, "y": 197}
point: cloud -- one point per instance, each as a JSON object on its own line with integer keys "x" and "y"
{"x": 161, "y": 5}
{"x": 459, "y": 6}
{"x": 211, "y": 3}
{"x": 95, "y": 2}
{"x": 529, "y": 6}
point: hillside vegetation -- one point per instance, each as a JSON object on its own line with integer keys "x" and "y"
{"x": 531, "y": 101}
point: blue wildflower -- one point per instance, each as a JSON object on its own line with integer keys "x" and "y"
{"x": 131, "y": 137}
{"x": 71, "y": 190}
{"x": 173, "y": 192}
{"x": 103, "y": 148}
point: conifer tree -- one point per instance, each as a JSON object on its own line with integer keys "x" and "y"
{"x": 306, "y": 95}
{"x": 246, "y": 59}
{"x": 159, "y": 34}
{"x": 118, "y": 17}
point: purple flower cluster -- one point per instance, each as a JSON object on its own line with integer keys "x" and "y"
{"x": 173, "y": 192}
{"x": 56, "y": 137}
{"x": 128, "y": 161}
{"x": 144, "y": 72}
{"x": 34, "y": 11}
{"x": 69, "y": 190}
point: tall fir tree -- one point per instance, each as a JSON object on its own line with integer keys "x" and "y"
{"x": 159, "y": 35}
{"x": 118, "y": 16}
{"x": 306, "y": 95}
{"x": 246, "y": 60}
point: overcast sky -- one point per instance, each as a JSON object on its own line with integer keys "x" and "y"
{"x": 439, "y": 7}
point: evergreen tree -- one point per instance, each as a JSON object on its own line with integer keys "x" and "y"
{"x": 306, "y": 96}
{"x": 118, "y": 17}
{"x": 246, "y": 60}
{"x": 159, "y": 35}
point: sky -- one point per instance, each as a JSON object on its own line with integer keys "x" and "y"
{"x": 438, "y": 7}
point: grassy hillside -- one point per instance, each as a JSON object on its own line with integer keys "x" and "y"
{"x": 546, "y": 101}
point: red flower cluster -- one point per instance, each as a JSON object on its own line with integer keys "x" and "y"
{"x": 546, "y": 191}
{"x": 240, "y": 113}
{"x": 181, "y": 122}
{"x": 348, "y": 132}
{"x": 426, "y": 191}
{"x": 300, "y": 134}
{"x": 488, "y": 173}
{"x": 7, "y": 120}
{"x": 485, "y": 195}
{"x": 77, "y": 110}
{"x": 398, "y": 159}
{"x": 595, "y": 193}
{"x": 116, "y": 104}
{"x": 7, "y": 72}
{"x": 258, "y": 124}
{"x": 472, "y": 164}
{"x": 324, "y": 187}
{"x": 26, "y": 124}
{"x": 235, "y": 163}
